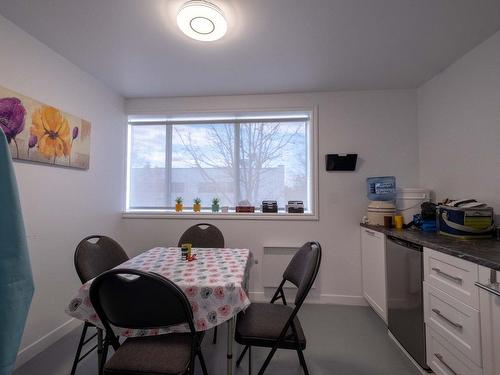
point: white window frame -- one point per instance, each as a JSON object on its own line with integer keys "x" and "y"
{"x": 312, "y": 149}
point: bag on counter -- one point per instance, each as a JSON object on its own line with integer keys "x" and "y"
{"x": 465, "y": 223}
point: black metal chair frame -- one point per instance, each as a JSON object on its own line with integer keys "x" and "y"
{"x": 113, "y": 340}
{"x": 84, "y": 341}
{"x": 280, "y": 294}
{"x": 100, "y": 346}
{"x": 181, "y": 241}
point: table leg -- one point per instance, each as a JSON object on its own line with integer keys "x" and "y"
{"x": 230, "y": 333}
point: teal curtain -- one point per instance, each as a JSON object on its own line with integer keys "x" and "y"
{"x": 16, "y": 280}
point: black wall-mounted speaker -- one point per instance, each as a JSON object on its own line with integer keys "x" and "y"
{"x": 341, "y": 162}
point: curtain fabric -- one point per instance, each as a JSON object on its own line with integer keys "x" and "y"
{"x": 16, "y": 280}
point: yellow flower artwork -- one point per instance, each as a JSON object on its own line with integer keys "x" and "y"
{"x": 52, "y": 131}
{"x": 40, "y": 133}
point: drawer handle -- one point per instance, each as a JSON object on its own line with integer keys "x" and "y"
{"x": 458, "y": 280}
{"x": 440, "y": 357}
{"x": 369, "y": 232}
{"x": 489, "y": 288}
{"x": 456, "y": 325}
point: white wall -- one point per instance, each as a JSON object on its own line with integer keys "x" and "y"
{"x": 379, "y": 125}
{"x": 459, "y": 127}
{"x": 61, "y": 206}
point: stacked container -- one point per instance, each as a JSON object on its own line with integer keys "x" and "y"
{"x": 381, "y": 193}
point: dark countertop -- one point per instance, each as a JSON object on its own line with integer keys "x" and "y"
{"x": 485, "y": 252}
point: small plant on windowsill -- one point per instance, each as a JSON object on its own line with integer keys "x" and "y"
{"x": 178, "y": 204}
{"x": 215, "y": 204}
{"x": 197, "y": 204}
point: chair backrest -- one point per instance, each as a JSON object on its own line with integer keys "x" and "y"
{"x": 303, "y": 269}
{"x": 136, "y": 299}
{"x": 202, "y": 235}
{"x": 96, "y": 254}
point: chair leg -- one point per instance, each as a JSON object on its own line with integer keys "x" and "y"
{"x": 302, "y": 361}
{"x": 191, "y": 368}
{"x": 268, "y": 360}
{"x": 249, "y": 360}
{"x": 202, "y": 363}
{"x": 79, "y": 349}
{"x": 241, "y": 356}
{"x": 99, "y": 350}
{"x": 214, "y": 340}
{"x": 104, "y": 355}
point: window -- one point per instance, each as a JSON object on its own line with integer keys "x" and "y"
{"x": 252, "y": 158}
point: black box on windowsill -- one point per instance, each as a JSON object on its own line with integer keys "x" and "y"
{"x": 295, "y": 207}
{"x": 269, "y": 206}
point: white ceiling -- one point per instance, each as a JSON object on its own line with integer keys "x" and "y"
{"x": 272, "y": 46}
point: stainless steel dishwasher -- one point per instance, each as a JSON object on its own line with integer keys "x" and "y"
{"x": 405, "y": 306}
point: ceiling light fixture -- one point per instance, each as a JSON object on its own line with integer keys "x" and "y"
{"x": 201, "y": 20}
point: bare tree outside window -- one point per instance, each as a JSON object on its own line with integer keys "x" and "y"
{"x": 250, "y": 154}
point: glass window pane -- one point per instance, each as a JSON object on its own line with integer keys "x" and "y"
{"x": 273, "y": 162}
{"x": 254, "y": 161}
{"x": 203, "y": 161}
{"x": 148, "y": 172}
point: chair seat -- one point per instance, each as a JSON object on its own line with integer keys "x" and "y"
{"x": 152, "y": 355}
{"x": 261, "y": 324}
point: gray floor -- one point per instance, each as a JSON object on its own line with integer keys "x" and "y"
{"x": 342, "y": 340}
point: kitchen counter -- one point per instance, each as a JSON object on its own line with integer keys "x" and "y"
{"x": 485, "y": 252}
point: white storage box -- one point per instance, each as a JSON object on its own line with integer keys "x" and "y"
{"x": 408, "y": 201}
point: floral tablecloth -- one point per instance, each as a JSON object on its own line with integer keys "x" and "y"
{"x": 214, "y": 283}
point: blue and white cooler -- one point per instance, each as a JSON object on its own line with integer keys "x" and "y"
{"x": 465, "y": 222}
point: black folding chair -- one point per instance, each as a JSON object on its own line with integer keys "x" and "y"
{"x": 277, "y": 326}
{"x": 203, "y": 235}
{"x": 94, "y": 255}
{"x": 135, "y": 299}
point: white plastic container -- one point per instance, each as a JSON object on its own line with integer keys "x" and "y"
{"x": 377, "y": 210}
{"x": 408, "y": 201}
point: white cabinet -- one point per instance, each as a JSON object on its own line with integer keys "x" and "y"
{"x": 490, "y": 320}
{"x": 452, "y": 316}
{"x": 373, "y": 263}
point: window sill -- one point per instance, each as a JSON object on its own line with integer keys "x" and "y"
{"x": 280, "y": 216}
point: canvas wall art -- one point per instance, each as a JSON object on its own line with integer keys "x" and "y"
{"x": 39, "y": 133}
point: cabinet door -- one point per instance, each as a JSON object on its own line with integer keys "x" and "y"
{"x": 490, "y": 324}
{"x": 373, "y": 262}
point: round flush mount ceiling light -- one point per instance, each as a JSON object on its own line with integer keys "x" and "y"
{"x": 201, "y": 20}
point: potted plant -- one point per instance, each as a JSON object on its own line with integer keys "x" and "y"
{"x": 178, "y": 204}
{"x": 197, "y": 204}
{"x": 215, "y": 204}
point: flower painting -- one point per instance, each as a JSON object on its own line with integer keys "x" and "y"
{"x": 43, "y": 134}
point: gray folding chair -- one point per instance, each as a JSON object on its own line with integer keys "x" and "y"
{"x": 146, "y": 301}
{"x": 94, "y": 255}
{"x": 277, "y": 326}
{"x": 202, "y": 235}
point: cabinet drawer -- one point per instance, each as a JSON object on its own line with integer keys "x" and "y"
{"x": 452, "y": 275}
{"x": 444, "y": 359}
{"x": 453, "y": 320}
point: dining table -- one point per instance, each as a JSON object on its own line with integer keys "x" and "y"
{"x": 215, "y": 283}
